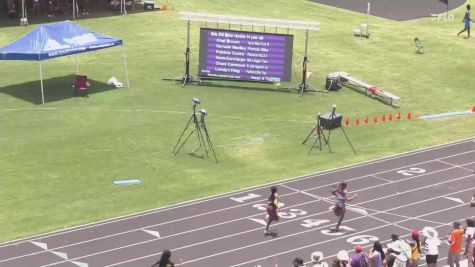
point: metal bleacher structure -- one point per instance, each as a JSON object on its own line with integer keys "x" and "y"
{"x": 368, "y": 89}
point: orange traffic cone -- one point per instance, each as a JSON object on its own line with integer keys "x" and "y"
{"x": 375, "y": 120}
{"x": 347, "y": 122}
{"x": 366, "y": 121}
{"x": 398, "y": 116}
{"x": 383, "y": 119}
{"x": 409, "y": 116}
{"x": 390, "y": 117}
{"x": 357, "y": 122}
{"x": 473, "y": 109}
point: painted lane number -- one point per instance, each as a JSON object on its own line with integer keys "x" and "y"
{"x": 411, "y": 171}
{"x": 245, "y": 198}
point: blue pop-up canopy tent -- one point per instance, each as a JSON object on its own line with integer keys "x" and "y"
{"x": 59, "y": 39}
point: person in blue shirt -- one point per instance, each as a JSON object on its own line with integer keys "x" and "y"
{"x": 466, "y": 21}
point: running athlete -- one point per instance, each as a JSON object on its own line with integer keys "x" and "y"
{"x": 339, "y": 209}
{"x": 466, "y": 21}
{"x": 272, "y": 206}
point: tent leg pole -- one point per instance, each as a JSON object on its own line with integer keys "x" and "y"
{"x": 41, "y": 80}
{"x": 77, "y": 65}
{"x": 125, "y": 65}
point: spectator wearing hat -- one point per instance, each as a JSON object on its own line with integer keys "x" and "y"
{"x": 415, "y": 244}
{"x": 341, "y": 260}
{"x": 431, "y": 245}
{"x": 376, "y": 255}
{"x": 455, "y": 243}
{"x": 317, "y": 258}
{"x": 297, "y": 262}
{"x": 360, "y": 259}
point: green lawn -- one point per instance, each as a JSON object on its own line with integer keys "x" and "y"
{"x": 58, "y": 160}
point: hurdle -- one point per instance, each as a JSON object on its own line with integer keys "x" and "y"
{"x": 368, "y": 89}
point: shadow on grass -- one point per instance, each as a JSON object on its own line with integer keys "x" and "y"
{"x": 55, "y": 89}
{"x": 251, "y": 87}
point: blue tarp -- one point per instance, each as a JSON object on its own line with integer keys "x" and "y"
{"x": 55, "y": 40}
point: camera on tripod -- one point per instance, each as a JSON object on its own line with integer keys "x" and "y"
{"x": 326, "y": 123}
{"x": 196, "y": 125}
{"x": 196, "y": 101}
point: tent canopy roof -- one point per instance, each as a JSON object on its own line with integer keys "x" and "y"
{"x": 55, "y": 40}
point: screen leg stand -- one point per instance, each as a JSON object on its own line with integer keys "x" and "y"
{"x": 187, "y": 78}
{"x": 348, "y": 139}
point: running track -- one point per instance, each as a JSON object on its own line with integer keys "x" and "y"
{"x": 430, "y": 187}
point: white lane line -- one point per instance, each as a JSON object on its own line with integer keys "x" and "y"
{"x": 312, "y": 245}
{"x": 206, "y": 199}
{"x": 154, "y": 233}
{"x": 388, "y": 240}
{"x": 459, "y": 166}
{"x": 149, "y": 226}
{"x": 409, "y": 178}
{"x": 389, "y": 181}
{"x": 41, "y": 245}
{"x": 325, "y": 199}
{"x": 455, "y": 199}
{"x": 239, "y": 248}
{"x": 356, "y": 208}
{"x": 368, "y": 201}
{"x": 386, "y": 180}
{"x": 215, "y": 211}
{"x": 300, "y": 218}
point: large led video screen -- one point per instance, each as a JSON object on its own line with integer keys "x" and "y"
{"x": 246, "y": 56}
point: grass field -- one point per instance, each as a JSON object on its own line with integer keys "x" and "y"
{"x": 58, "y": 160}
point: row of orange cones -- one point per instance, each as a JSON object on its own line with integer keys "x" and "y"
{"x": 383, "y": 119}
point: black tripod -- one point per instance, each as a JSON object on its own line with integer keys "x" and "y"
{"x": 319, "y": 134}
{"x": 208, "y": 139}
{"x": 187, "y": 78}
{"x": 198, "y": 126}
{"x": 334, "y": 123}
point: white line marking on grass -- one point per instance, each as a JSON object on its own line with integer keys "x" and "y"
{"x": 206, "y": 199}
{"x": 19, "y": 109}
